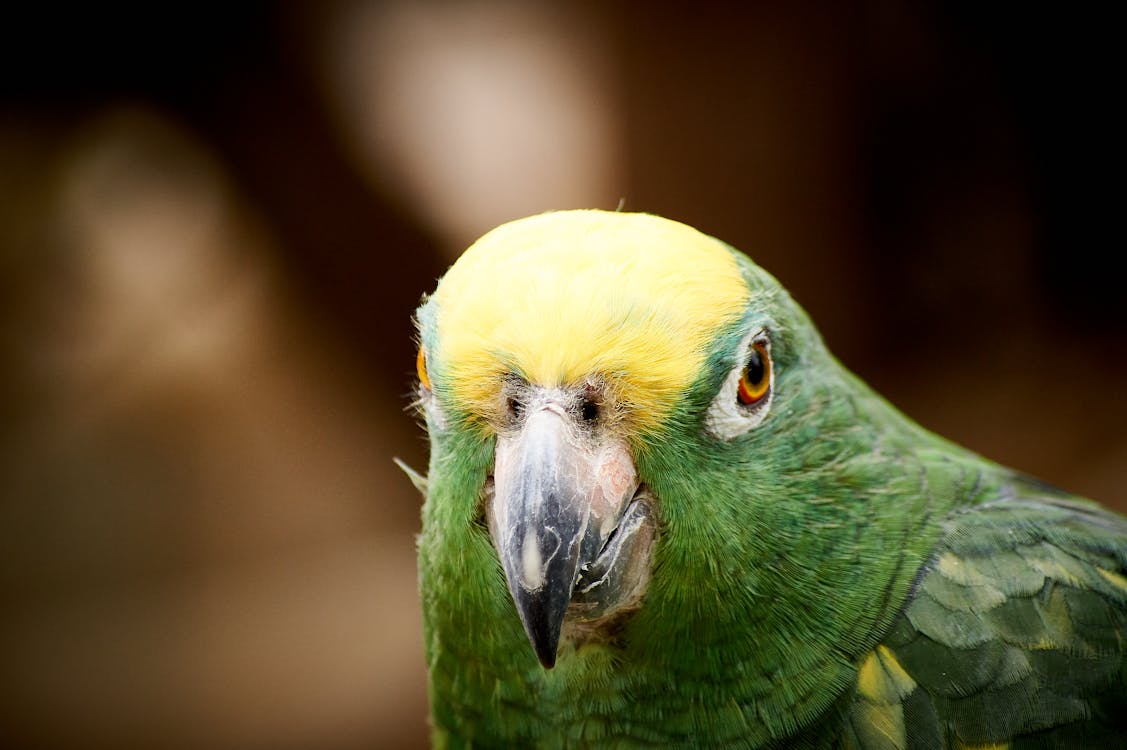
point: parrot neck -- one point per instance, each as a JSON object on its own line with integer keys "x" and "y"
{"x": 777, "y": 572}
{"x": 802, "y": 562}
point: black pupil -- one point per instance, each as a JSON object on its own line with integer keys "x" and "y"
{"x": 754, "y": 369}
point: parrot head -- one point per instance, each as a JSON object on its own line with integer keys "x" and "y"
{"x": 598, "y": 388}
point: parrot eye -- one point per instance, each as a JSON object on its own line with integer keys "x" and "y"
{"x": 745, "y": 395}
{"x": 425, "y": 402}
{"x": 421, "y": 368}
{"x": 755, "y": 381}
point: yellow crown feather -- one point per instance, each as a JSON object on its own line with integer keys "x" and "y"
{"x": 632, "y": 299}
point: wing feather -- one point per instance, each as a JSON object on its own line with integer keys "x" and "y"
{"x": 1015, "y": 636}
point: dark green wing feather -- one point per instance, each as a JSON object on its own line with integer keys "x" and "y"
{"x": 1014, "y": 636}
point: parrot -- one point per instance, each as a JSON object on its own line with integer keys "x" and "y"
{"x": 658, "y": 512}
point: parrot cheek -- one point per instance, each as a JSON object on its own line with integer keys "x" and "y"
{"x": 570, "y": 526}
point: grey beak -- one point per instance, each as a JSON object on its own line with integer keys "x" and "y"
{"x": 558, "y": 496}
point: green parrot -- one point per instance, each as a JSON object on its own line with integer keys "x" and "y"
{"x": 659, "y": 513}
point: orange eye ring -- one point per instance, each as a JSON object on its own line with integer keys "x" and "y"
{"x": 755, "y": 380}
{"x": 421, "y": 368}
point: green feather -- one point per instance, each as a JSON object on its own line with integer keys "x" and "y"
{"x": 833, "y": 577}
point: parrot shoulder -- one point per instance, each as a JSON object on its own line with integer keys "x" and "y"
{"x": 1013, "y": 635}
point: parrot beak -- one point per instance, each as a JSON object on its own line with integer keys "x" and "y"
{"x": 560, "y": 495}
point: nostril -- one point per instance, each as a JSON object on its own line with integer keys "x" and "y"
{"x": 590, "y": 410}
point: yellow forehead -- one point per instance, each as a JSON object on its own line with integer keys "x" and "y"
{"x": 632, "y": 299}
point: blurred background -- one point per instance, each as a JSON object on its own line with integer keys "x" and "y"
{"x": 216, "y": 221}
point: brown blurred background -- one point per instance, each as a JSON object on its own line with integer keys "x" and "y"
{"x": 215, "y": 223}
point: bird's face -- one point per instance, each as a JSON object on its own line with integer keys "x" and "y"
{"x": 578, "y": 343}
